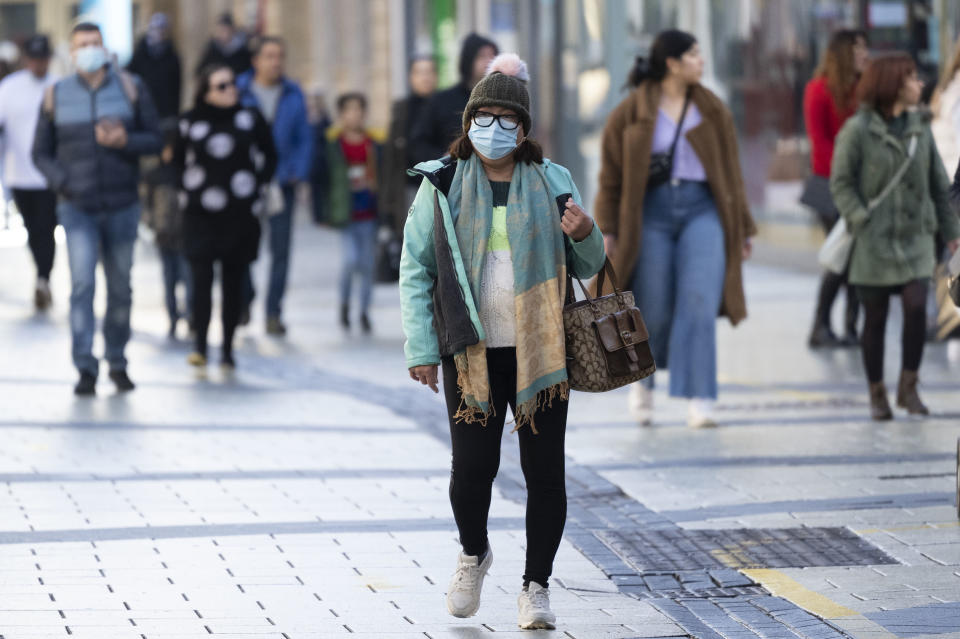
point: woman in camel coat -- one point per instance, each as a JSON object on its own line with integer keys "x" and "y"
{"x": 680, "y": 244}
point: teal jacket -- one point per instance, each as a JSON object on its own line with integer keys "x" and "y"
{"x": 438, "y": 309}
{"x": 894, "y": 243}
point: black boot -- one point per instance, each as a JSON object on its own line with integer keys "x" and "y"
{"x": 344, "y": 316}
{"x": 122, "y": 381}
{"x": 365, "y": 324}
{"x": 822, "y": 336}
{"x": 851, "y": 337}
{"x": 87, "y": 385}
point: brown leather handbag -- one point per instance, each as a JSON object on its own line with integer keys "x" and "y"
{"x": 607, "y": 342}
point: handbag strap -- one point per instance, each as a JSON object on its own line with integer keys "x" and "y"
{"x": 683, "y": 116}
{"x": 892, "y": 184}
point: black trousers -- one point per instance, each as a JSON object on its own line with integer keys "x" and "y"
{"x": 476, "y": 459}
{"x": 232, "y": 276}
{"x": 39, "y": 210}
{"x": 876, "y": 307}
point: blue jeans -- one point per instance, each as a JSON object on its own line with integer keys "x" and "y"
{"x": 176, "y": 269}
{"x": 359, "y": 247}
{"x": 281, "y": 232}
{"x": 678, "y": 281}
{"x": 107, "y": 236}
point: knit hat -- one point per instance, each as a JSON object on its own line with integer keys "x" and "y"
{"x": 505, "y": 85}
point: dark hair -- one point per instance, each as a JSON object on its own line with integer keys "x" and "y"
{"x": 202, "y": 86}
{"x": 265, "y": 40}
{"x": 881, "y": 82}
{"x": 529, "y": 151}
{"x": 837, "y": 66}
{"x": 672, "y": 43}
{"x": 86, "y": 27}
{"x": 354, "y": 96}
{"x": 225, "y": 19}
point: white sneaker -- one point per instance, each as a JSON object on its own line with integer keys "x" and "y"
{"x": 463, "y": 596}
{"x": 535, "y": 613}
{"x": 641, "y": 403}
{"x": 700, "y": 413}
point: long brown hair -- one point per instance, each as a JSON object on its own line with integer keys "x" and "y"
{"x": 838, "y": 68}
{"x": 880, "y": 85}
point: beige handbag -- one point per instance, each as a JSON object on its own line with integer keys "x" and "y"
{"x": 606, "y": 340}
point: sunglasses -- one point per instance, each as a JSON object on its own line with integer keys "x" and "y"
{"x": 223, "y": 86}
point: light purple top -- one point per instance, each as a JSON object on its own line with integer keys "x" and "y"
{"x": 686, "y": 164}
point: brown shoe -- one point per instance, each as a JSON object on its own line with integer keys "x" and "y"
{"x": 879, "y": 406}
{"x": 907, "y": 395}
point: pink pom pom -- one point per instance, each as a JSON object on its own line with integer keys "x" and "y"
{"x": 509, "y": 64}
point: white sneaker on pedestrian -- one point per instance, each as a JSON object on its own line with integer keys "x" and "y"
{"x": 700, "y": 413}
{"x": 534, "y": 605}
{"x": 463, "y": 596}
{"x": 640, "y": 403}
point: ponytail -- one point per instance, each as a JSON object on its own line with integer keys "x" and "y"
{"x": 672, "y": 43}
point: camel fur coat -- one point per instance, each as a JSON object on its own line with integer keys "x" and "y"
{"x": 625, "y": 161}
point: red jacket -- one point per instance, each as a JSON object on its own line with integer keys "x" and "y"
{"x": 823, "y": 122}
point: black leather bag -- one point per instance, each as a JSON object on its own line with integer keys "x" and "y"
{"x": 816, "y": 194}
{"x": 661, "y": 164}
{"x": 389, "y": 247}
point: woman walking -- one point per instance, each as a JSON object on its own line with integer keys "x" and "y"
{"x": 828, "y": 100}
{"x": 482, "y": 282}
{"x": 225, "y": 153}
{"x": 891, "y": 189}
{"x": 674, "y": 216}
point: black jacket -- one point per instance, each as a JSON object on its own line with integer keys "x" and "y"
{"x": 397, "y": 158}
{"x": 239, "y": 59}
{"x": 225, "y": 158}
{"x": 160, "y": 71}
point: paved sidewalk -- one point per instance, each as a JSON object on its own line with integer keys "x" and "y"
{"x": 305, "y": 496}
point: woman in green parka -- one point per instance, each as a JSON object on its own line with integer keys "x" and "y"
{"x": 893, "y": 228}
{"x": 482, "y": 281}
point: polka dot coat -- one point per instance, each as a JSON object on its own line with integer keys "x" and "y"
{"x": 226, "y": 158}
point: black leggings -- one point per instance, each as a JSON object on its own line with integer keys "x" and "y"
{"x": 876, "y": 306}
{"x": 476, "y": 459}
{"x": 232, "y": 276}
{"x": 39, "y": 210}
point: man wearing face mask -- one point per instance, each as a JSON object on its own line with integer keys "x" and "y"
{"x": 94, "y": 125}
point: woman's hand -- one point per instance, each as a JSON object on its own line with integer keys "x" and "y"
{"x": 954, "y": 245}
{"x": 575, "y": 222}
{"x": 426, "y": 375}
{"x": 747, "y": 249}
{"x": 609, "y": 244}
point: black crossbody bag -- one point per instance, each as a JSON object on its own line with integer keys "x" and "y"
{"x": 661, "y": 164}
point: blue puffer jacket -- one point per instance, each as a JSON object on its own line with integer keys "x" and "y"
{"x": 292, "y": 134}
{"x": 92, "y": 177}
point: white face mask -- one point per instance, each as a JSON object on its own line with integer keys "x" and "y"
{"x": 492, "y": 142}
{"x": 90, "y": 59}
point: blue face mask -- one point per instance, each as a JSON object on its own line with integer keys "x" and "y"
{"x": 90, "y": 59}
{"x": 492, "y": 142}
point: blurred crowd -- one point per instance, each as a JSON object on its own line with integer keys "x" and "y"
{"x": 101, "y": 148}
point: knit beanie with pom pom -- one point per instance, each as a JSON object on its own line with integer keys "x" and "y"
{"x": 505, "y": 85}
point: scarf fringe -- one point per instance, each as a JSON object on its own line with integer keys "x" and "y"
{"x": 465, "y": 412}
{"x": 542, "y": 400}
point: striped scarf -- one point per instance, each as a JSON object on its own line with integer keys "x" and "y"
{"x": 539, "y": 277}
